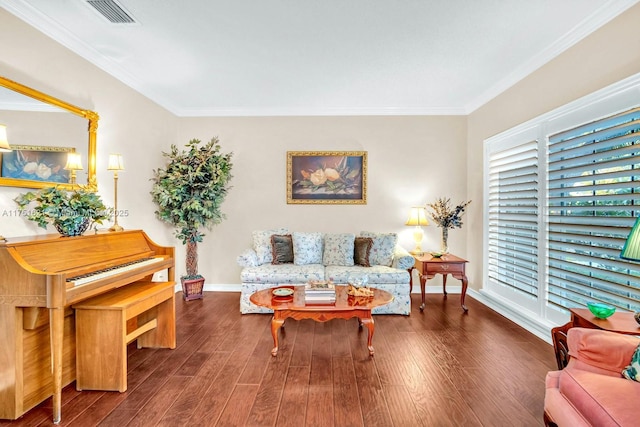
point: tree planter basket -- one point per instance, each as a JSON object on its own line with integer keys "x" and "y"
{"x": 192, "y": 288}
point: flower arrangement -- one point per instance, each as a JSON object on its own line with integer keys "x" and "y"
{"x": 71, "y": 212}
{"x": 444, "y": 215}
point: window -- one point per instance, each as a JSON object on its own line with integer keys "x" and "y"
{"x": 593, "y": 196}
{"x": 562, "y": 193}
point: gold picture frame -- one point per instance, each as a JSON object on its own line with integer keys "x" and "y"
{"x": 35, "y": 164}
{"x": 91, "y": 118}
{"x": 327, "y": 177}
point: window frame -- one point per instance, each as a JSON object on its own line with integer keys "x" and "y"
{"x": 611, "y": 100}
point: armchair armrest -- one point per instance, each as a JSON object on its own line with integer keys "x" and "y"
{"x": 402, "y": 258}
{"x": 603, "y": 350}
{"x": 248, "y": 258}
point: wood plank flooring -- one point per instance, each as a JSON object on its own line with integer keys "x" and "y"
{"x": 437, "y": 368}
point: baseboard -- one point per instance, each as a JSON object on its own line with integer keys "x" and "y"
{"x": 528, "y": 321}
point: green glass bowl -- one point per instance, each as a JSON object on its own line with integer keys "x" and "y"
{"x": 600, "y": 310}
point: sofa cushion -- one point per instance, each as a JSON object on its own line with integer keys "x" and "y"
{"x": 362, "y": 250}
{"x": 632, "y": 372}
{"x": 282, "y": 252}
{"x": 377, "y": 274}
{"x": 262, "y": 243}
{"x": 307, "y": 248}
{"x": 601, "y": 399}
{"x": 338, "y": 249}
{"x": 282, "y": 273}
{"x": 383, "y": 247}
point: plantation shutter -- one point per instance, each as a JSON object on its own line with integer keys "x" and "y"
{"x": 593, "y": 197}
{"x": 513, "y": 218}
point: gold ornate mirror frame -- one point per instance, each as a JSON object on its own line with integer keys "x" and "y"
{"x": 92, "y": 117}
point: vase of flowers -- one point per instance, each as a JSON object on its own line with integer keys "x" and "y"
{"x": 446, "y": 217}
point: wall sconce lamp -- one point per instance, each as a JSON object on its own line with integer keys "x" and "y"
{"x": 417, "y": 218}
{"x": 4, "y": 142}
{"x": 74, "y": 163}
{"x": 115, "y": 164}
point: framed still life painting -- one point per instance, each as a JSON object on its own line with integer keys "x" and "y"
{"x": 34, "y": 166}
{"x": 329, "y": 177}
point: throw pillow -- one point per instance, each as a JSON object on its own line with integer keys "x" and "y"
{"x": 282, "y": 249}
{"x": 307, "y": 248}
{"x": 262, "y": 244}
{"x": 384, "y": 245}
{"x": 362, "y": 249}
{"x": 632, "y": 372}
{"x": 338, "y": 249}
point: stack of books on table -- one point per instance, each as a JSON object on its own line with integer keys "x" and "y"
{"x": 320, "y": 293}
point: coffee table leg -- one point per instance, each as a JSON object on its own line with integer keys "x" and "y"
{"x": 276, "y": 323}
{"x": 368, "y": 322}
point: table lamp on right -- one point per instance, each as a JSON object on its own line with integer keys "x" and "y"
{"x": 631, "y": 251}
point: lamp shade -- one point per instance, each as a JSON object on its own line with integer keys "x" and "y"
{"x": 417, "y": 217}
{"x": 74, "y": 162}
{"x": 631, "y": 249}
{"x": 4, "y": 142}
{"x": 115, "y": 162}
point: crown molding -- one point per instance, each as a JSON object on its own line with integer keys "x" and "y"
{"x": 605, "y": 13}
{"x": 303, "y": 111}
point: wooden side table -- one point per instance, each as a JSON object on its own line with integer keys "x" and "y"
{"x": 428, "y": 266}
{"x": 620, "y": 322}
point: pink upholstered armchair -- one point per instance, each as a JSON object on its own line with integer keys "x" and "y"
{"x": 591, "y": 390}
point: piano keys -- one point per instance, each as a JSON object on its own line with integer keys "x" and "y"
{"x": 40, "y": 277}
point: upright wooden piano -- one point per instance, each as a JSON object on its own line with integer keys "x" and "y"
{"x": 40, "y": 277}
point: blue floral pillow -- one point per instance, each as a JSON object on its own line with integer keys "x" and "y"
{"x": 338, "y": 249}
{"x": 632, "y": 372}
{"x": 307, "y": 248}
{"x": 383, "y": 247}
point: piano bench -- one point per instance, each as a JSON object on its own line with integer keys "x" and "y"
{"x": 105, "y": 324}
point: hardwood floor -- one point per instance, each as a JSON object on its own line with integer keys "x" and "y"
{"x": 437, "y": 368}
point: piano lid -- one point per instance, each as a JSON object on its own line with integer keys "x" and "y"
{"x": 53, "y": 253}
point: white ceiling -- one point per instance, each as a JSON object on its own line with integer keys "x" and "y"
{"x": 320, "y": 57}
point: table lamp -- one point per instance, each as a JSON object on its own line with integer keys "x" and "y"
{"x": 417, "y": 218}
{"x": 631, "y": 251}
{"x": 74, "y": 164}
{"x": 4, "y": 142}
{"x": 115, "y": 165}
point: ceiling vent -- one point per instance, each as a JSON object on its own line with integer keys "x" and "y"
{"x": 111, "y": 11}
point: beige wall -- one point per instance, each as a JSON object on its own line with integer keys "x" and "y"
{"x": 412, "y": 160}
{"x": 607, "y": 56}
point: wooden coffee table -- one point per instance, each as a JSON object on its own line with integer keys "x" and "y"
{"x": 345, "y": 307}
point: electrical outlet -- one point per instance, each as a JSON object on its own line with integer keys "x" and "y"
{"x": 160, "y": 276}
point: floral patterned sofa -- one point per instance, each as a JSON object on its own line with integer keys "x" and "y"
{"x": 279, "y": 257}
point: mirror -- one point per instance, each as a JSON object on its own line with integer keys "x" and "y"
{"x": 41, "y": 134}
